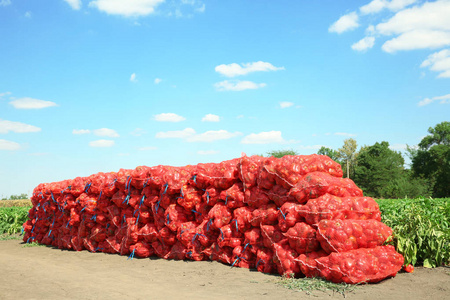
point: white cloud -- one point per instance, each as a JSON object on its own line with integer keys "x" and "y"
{"x": 429, "y": 16}
{"x": 28, "y": 14}
{"x": 8, "y": 145}
{"x": 169, "y": 117}
{"x": 364, "y": 44}
{"x": 30, "y": 103}
{"x": 442, "y": 100}
{"x": 439, "y": 62}
{"x": 5, "y": 2}
{"x": 17, "y": 127}
{"x": 286, "y": 104}
{"x": 235, "y": 69}
{"x": 376, "y": 6}
{"x": 138, "y": 132}
{"x": 417, "y": 39}
{"x": 133, "y": 77}
{"x": 177, "y": 134}
{"x": 211, "y": 118}
{"x": 129, "y": 8}
{"x": 263, "y": 138}
{"x": 101, "y": 143}
{"x": 211, "y": 136}
{"x": 201, "y": 9}
{"x": 157, "y": 80}
{"x": 81, "y": 131}
{"x": 238, "y": 85}
{"x": 397, "y": 147}
{"x": 344, "y": 134}
{"x": 345, "y": 23}
{"x": 207, "y": 152}
{"x": 149, "y": 148}
{"x": 5, "y": 94}
{"x": 106, "y": 132}
{"x": 75, "y": 4}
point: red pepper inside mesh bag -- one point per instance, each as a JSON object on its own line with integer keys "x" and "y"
{"x": 266, "y": 215}
{"x": 302, "y": 238}
{"x": 329, "y": 207}
{"x": 221, "y": 176}
{"x": 362, "y": 265}
{"x": 271, "y": 234}
{"x": 243, "y": 217}
{"x": 220, "y": 216}
{"x": 249, "y": 169}
{"x": 344, "y": 235}
{"x": 284, "y": 259}
{"x": 256, "y": 197}
{"x": 234, "y": 196}
{"x": 264, "y": 260}
{"x": 142, "y": 249}
{"x": 289, "y": 215}
{"x": 243, "y": 257}
{"x": 190, "y": 197}
{"x": 176, "y": 215}
{"x": 229, "y": 236}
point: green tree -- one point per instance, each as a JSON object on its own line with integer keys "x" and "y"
{"x": 333, "y": 154}
{"x": 348, "y": 154}
{"x": 379, "y": 170}
{"x": 281, "y": 153}
{"x": 432, "y": 159}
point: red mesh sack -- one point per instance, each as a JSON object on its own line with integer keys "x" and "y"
{"x": 266, "y": 215}
{"x": 220, "y": 216}
{"x": 302, "y": 238}
{"x": 329, "y": 207}
{"x": 288, "y": 216}
{"x": 249, "y": 169}
{"x": 362, "y": 265}
{"x": 229, "y": 237}
{"x": 264, "y": 260}
{"x": 256, "y": 197}
{"x": 271, "y": 234}
{"x": 284, "y": 259}
{"x": 142, "y": 249}
{"x": 234, "y": 196}
{"x": 344, "y": 235}
{"x": 243, "y": 216}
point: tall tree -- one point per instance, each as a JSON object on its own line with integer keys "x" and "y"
{"x": 333, "y": 154}
{"x": 281, "y": 153}
{"x": 432, "y": 159}
{"x": 378, "y": 170}
{"x": 348, "y": 154}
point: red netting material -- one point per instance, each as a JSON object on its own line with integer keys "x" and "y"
{"x": 295, "y": 215}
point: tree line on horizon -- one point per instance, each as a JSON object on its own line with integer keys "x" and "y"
{"x": 381, "y": 173}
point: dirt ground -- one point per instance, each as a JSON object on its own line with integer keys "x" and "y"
{"x": 48, "y": 273}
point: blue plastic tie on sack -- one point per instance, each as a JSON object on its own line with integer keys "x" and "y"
{"x": 182, "y": 193}
{"x": 236, "y": 223}
{"x": 127, "y": 199}
{"x": 67, "y": 225}
{"x": 208, "y": 224}
{"x": 193, "y": 239}
{"x": 168, "y": 219}
{"x": 166, "y": 186}
{"x": 194, "y": 178}
{"x": 87, "y": 187}
{"x": 142, "y": 201}
{"x": 257, "y": 264}
{"x": 284, "y": 216}
{"x": 221, "y": 232}
{"x": 53, "y": 198}
{"x": 246, "y": 245}
{"x": 196, "y": 212}
{"x": 207, "y": 197}
{"x": 157, "y": 206}
{"x": 235, "y": 261}
{"x": 145, "y": 183}
{"x": 137, "y": 220}
{"x": 94, "y": 217}
{"x": 83, "y": 209}
{"x": 131, "y": 255}
{"x": 226, "y": 199}
{"x": 100, "y": 196}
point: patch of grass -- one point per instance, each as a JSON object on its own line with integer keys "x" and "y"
{"x": 33, "y": 244}
{"x": 309, "y": 285}
{"x": 6, "y": 237}
{"x": 12, "y": 219}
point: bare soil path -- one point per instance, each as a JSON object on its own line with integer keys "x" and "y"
{"x": 48, "y": 273}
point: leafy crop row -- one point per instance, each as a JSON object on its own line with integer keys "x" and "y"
{"x": 12, "y": 219}
{"x": 421, "y": 229}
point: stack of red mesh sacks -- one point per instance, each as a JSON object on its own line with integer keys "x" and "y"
{"x": 294, "y": 215}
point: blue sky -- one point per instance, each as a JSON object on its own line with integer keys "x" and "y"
{"x": 95, "y": 86}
